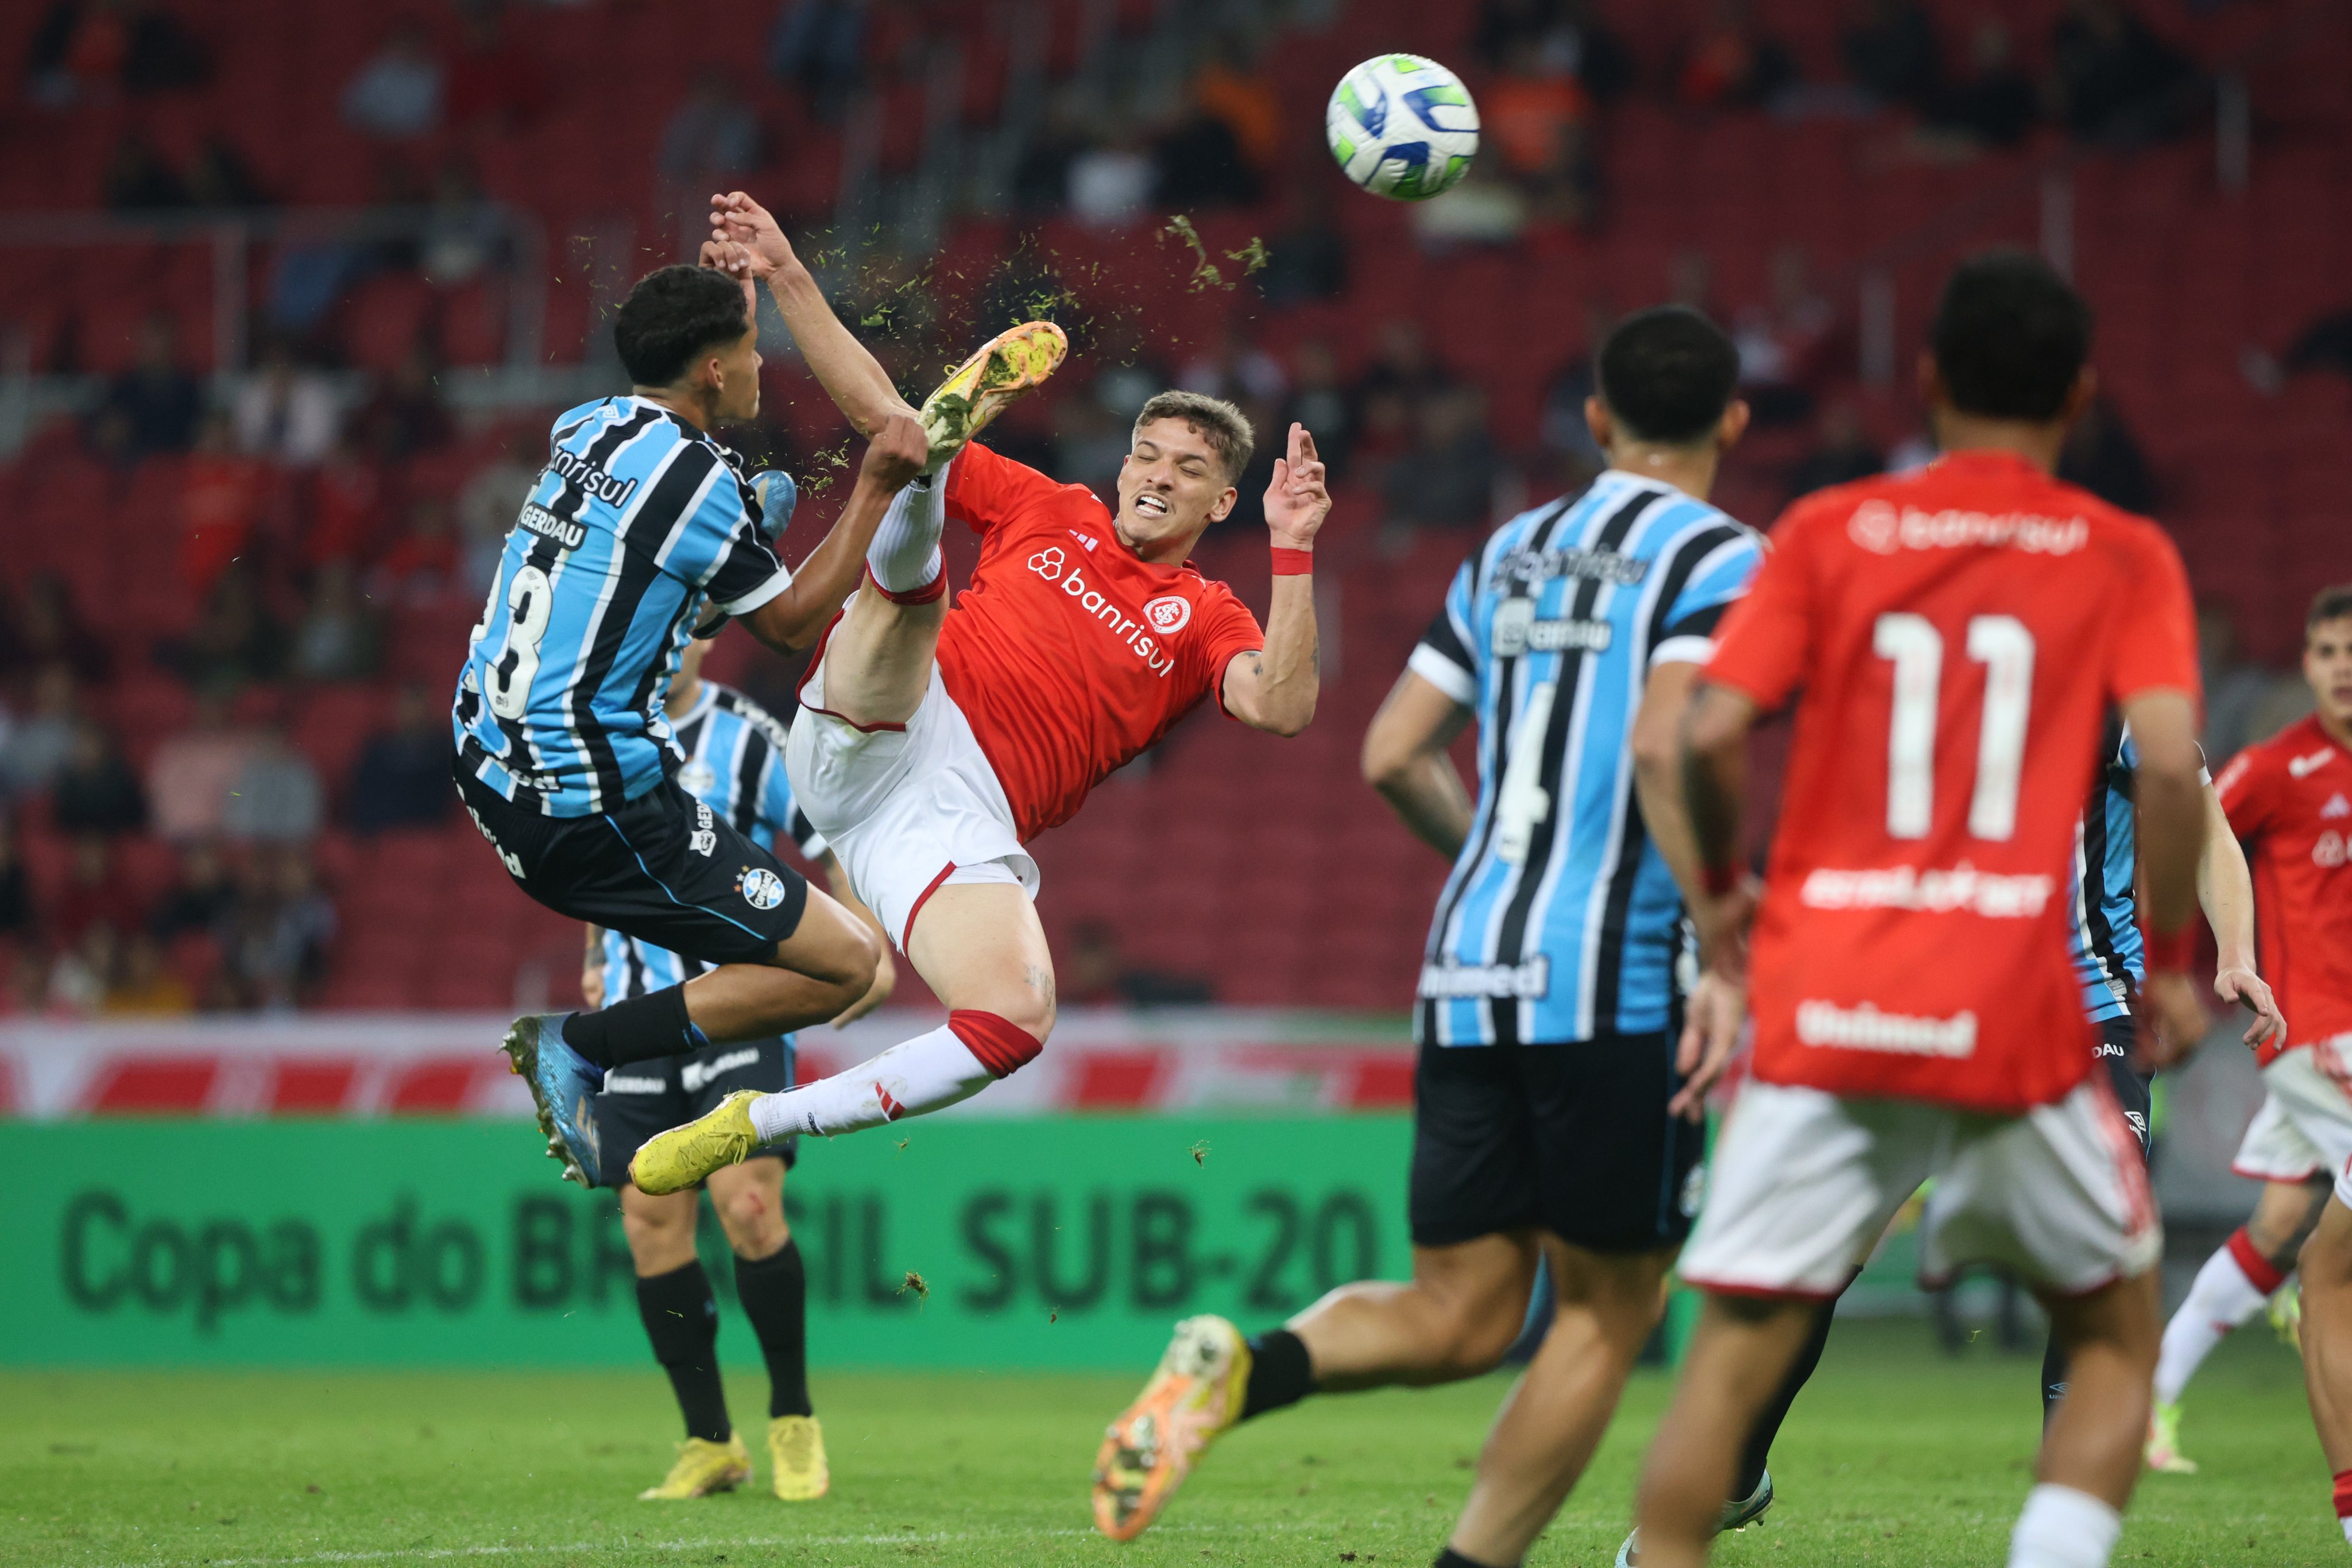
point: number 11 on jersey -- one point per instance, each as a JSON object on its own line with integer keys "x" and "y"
{"x": 2003, "y": 645}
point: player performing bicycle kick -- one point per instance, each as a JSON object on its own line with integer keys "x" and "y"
{"x": 937, "y": 739}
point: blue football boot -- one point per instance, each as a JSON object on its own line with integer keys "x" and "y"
{"x": 563, "y": 1088}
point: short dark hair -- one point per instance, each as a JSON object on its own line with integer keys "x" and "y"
{"x": 2328, "y": 605}
{"x": 1667, "y": 374}
{"x": 671, "y": 317}
{"x": 1225, "y": 428}
{"x": 2011, "y": 337}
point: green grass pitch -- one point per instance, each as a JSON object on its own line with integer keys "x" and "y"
{"x": 1895, "y": 1456}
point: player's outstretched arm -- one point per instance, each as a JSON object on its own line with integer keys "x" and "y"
{"x": 792, "y": 619}
{"x": 749, "y": 243}
{"x": 2225, "y": 888}
{"x": 1405, "y": 759}
{"x": 1274, "y": 688}
{"x": 2172, "y": 831}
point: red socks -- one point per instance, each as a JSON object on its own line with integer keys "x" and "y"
{"x": 2259, "y": 1273}
{"x": 1002, "y": 1046}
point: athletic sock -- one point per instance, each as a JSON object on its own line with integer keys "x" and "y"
{"x": 1449, "y": 1558}
{"x": 928, "y": 1073}
{"x": 2063, "y": 1528}
{"x": 681, "y": 1318}
{"x": 1753, "y": 1458}
{"x": 774, "y": 1293}
{"x": 637, "y": 1029}
{"x": 2344, "y": 1502}
{"x": 1280, "y": 1372}
{"x": 904, "y": 558}
{"x": 2230, "y": 1288}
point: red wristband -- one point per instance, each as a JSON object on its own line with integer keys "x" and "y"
{"x": 2168, "y": 952}
{"x": 1719, "y": 879}
{"x": 1293, "y": 563}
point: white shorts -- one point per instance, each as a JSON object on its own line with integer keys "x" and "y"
{"x": 1803, "y": 1182}
{"x": 908, "y": 809}
{"x": 2305, "y": 1127}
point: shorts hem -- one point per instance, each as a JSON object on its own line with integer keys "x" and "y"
{"x": 2252, "y": 1174}
{"x": 1763, "y": 1292}
{"x": 907, "y": 935}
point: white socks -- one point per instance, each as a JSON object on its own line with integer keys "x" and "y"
{"x": 905, "y": 555}
{"x": 2221, "y": 1300}
{"x": 924, "y": 1073}
{"x": 2063, "y": 1528}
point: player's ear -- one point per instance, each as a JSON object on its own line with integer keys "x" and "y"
{"x": 1732, "y": 425}
{"x": 1931, "y": 379}
{"x": 1598, "y": 422}
{"x": 1223, "y": 506}
{"x": 2079, "y": 397}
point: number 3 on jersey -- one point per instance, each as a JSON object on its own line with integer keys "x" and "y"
{"x": 528, "y": 604}
{"x": 2005, "y": 648}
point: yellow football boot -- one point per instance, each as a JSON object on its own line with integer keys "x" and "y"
{"x": 2162, "y": 1451}
{"x": 977, "y": 390}
{"x": 676, "y": 1160}
{"x": 1147, "y": 1453}
{"x": 2286, "y": 1314}
{"x": 703, "y": 1467}
{"x": 796, "y": 1458}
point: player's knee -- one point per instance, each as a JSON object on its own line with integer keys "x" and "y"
{"x": 657, "y": 1233}
{"x": 754, "y": 1219}
{"x": 1473, "y": 1338}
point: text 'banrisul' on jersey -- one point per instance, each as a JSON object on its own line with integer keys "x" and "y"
{"x": 1559, "y": 921}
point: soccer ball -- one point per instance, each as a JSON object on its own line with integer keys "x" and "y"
{"x": 1401, "y": 126}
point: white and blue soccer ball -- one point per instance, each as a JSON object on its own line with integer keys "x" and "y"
{"x": 1401, "y": 126}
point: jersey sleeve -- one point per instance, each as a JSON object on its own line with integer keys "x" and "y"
{"x": 1764, "y": 644}
{"x": 1724, "y": 570}
{"x": 2247, "y": 789}
{"x": 984, "y": 490}
{"x": 2155, "y": 643}
{"x": 1228, "y": 629}
{"x": 1447, "y": 656}
{"x": 719, "y": 547}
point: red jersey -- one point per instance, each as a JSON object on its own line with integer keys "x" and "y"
{"x": 2291, "y": 799}
{"x": 1069, "y": 654}
{"x": 1957, "y": 635}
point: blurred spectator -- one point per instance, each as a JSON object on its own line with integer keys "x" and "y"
{"x": 1733, "y": 64}
{"x": 153, "y": 405}
{"x": 15, "y": 888}
{"x": 96, "y": 893}
{"x": 2116, "y": 80}
{"x": 398, "y": 91}
{"x": 220, "y": 503}
{"x": 284, "y": 410}
{"x": 1447, "y": 480}
{"x": 49, "y": 78}
{"x": 1566, "y": 35}
{"x": 1563, "y": 429}
{"x": 1320, "y": 403}
{"x": 820, "y": 45}
{"x": 43, "y": 627}
{"x": 421, "y": 563}
{"x": 336, "y": 638}
{"x": 160, "y": 53}
{"x": 1891, "y": 53}
{"x": 1307, "y": 259}
{"x": 235, "y": 641}
{"x": 1240, "y": 371}
{"x": 1529, "y": 111}
{"x": 1041, "y": 179}
{"x": 1110, "y": 184}
{"x": 407, "y": 415}
{"x": 463, "y": 232}
{"x": 276, "y": 798}
{"x": 1402, "y": 365}
{"x": 2234, "y": 685}
{"x": 137, "y": 178}
{"x": 2101, "y": 456}
{"x": 144, "y": 985}
{"x": 2324, "y": 344}
{"x": 1198, "y": 162}
{"x": 496, "y": 83}
{"x": 1096, "y": 973}
{"x": 78, "y": 50}
{"x": 96, "y": 791}
{"x": 346, "y": 507}
{"x": 712, "y": 136}
{"x": 191, "y": 774}
{"x": 39, "y": 745}
{"x": 84, "y": 968}
{"x": 1995, "y": 104}
{"x": 220, "y": 177}
{"x": 198, "y": 898}
{"x": 1841, "y": 453}
{"x": 1234, "y": 90}
{"x": 275, "y": 933}
{"x": 489, "y": 503}
{"x": 402, "y": 777}
{"x": 1781, "y": 346}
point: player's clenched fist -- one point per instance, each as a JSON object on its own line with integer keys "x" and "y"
{"x": 757, "y": 244}
{"x": 896, "y": 454}
{"x": 1298, "y": 499}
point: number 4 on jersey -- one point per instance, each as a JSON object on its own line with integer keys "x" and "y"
{"x": 2003, "y": 645}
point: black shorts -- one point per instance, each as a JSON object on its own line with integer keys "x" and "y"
{"x": 642, "y": 1098}
{"x": 664, "y": 868}
{"x": 2134, "y": 1090}
{"x": 1573, "y": 1139}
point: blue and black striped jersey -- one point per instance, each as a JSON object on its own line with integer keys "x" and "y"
{"x": 735, "y": 765}
{"x": 636, "y": 523}
{"x": 2105, "y": 938}
{"x": 1560, "y": 921}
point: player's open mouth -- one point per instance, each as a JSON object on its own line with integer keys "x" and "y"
{"x": 1151, "y": 506}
